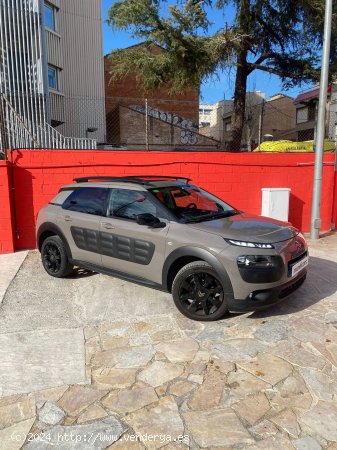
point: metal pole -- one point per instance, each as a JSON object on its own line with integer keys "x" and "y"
{"x": 147, "y": 125}
{"x": 260, "y": 124}
{"x": 319, "y": 144}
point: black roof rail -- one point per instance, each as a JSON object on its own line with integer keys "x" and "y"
{"x": 139, "y": 179}
{"x": 160, "y": 178}
{"x": 108, "y": 178}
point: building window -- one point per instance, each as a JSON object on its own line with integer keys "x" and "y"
{"x": 53, "y": 78}
{"x": 228, "y": 126}
{"x": 50, "y": 16}
{"x": 205, "y": 124}
{"x": 205, "y": 111}
{"x": 312, "y": 112}
{"x": 302, "y": 115}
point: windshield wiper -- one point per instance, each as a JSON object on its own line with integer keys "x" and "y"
{"x": 212, "y": 216}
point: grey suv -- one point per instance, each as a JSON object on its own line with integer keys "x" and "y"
{"x": 166, "y": 233}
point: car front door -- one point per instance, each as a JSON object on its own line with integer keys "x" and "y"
{"x": 130, "y": 248}
{"x": 79, "y": 220}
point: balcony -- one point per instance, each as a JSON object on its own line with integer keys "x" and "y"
{"x": 55, "y": 56}
{"x": 57, "y": 114}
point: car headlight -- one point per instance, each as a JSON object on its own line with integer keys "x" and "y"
{"x": 261, "y": 268}
{"x": 248, "y": 244}
{"x": 248, "y": 261}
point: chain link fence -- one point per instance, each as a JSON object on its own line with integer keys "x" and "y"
{"x": 274, "y": 124}
{"x": 278, "y": 123}
{"x": 138, "y": 124}
{"x": 29, "y": 121}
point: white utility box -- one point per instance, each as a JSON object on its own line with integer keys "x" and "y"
{"x": 275, "y": 203}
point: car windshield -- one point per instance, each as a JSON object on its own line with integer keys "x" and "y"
{"x": 191, "y": 204}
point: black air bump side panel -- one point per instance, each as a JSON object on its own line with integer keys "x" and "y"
{"x": 86, "y": 239}
{"x": 126, "y": 248}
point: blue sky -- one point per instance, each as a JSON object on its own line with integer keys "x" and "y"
{"x": 215, "y": 90}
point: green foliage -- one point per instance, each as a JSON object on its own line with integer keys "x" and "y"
{"x": 189, "y": 56}
{"x": 278, "y": 36}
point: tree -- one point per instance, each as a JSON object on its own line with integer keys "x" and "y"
{"x": 276, "y": 36}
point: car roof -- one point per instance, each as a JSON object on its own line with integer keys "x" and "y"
{"x": 137, "y": 182}
{"x": 155, "y": 185}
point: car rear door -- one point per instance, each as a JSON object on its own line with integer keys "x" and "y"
{"x": 79, "y": 220}
{"x": 127, "y": 247}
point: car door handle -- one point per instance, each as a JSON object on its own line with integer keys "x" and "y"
{"x": 107, "y": 226}
{"x": 67, "y": 218}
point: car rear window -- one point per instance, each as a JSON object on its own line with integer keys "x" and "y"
{"x": 87, "y": 200}
{"x": 60, "y": 198}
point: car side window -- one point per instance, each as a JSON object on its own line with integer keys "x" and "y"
{"x": 87, "y": 200}
{"x": 127, "y": 204}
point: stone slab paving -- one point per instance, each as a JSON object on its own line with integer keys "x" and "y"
{"x": 38, "y": 360}
{"x": 149, "y": 376}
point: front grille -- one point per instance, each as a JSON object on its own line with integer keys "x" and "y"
{"x": 289, "y": 289}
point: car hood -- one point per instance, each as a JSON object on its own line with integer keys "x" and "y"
{"x": 249, "y": 228}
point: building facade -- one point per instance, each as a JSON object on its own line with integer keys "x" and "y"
{"x": 51, "y": 71}
{"x": 211, "y": 116}
{"x": 250, "y": 133}
{"x": 306, "y": 104}
{"x": 75, "y": 52}
{"x": 273, "y": 118}
{"x": 279, "y": 117}
{"x": 170, "y": 121}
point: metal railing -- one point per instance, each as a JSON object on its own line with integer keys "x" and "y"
{"x": 55, "y": 140}
{"x": 21, "y": 133}
{"x": 14, "y": 130}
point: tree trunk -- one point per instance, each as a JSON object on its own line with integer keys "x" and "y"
{"x": 239, "y": 107}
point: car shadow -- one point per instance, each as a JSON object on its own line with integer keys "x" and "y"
{"x": 321, "y": 282}
{"x": 80, "y": 272}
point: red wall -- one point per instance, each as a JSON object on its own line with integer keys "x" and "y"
{"x": 334, "y": 202}
{"x": 6, "y": 225}
{"x": 237, "y": 178}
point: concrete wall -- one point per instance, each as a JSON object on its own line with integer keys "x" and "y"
{"x": 236, "y": 178}
{"x": 82, "y": 77}
{"x": 162, "y": 133}
{"x": 279, "y": 118}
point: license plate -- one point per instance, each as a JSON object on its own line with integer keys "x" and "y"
{"x": 294, "y": 269}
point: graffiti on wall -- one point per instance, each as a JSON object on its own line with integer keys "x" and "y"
{"x": 188, "y": 134}
{"x": 187, "y": 137}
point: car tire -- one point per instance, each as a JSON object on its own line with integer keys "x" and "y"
{"x": 54, "y": 257}
{"x": 198, "y": 292}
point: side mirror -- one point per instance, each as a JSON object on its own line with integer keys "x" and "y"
{"x": 150, "y": 220}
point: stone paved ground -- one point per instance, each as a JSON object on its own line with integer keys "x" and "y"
{"x": 253, "y": 381}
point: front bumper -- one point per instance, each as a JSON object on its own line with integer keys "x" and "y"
{"x": 265, "y": 298}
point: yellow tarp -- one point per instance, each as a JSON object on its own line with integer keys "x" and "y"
{"x": 290, "y": 146}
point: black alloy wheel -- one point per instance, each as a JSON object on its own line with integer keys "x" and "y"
{"x": 54, "y": 257}
{"x": 198, "y": 292}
